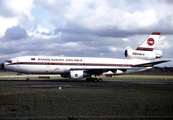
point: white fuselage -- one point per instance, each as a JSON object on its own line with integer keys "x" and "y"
{"x": 80, "y": 67}
{"x": 60, "y": 65}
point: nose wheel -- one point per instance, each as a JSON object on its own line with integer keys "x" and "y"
{"x": 27, "y": 79}
{"x": 99, "y": 80}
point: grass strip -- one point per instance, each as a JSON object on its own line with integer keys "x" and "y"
{"x": 93, "y": 99}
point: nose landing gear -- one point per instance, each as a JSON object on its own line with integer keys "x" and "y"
{"x": 28, "y": 79}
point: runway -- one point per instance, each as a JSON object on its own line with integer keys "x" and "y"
{"x": 42, "y": 86}
{"x": 53, "y": 85}
{"x": 69, "y": 85}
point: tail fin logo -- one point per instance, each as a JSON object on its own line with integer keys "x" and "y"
{"x": 150, "y": 41}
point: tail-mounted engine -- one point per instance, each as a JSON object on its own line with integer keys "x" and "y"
{"x": 144, "y": 55}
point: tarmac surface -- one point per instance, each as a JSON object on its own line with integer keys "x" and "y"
{"x": 68, "y": 81}
{"x": 42, "y": 81}
{"x": 72, "y": 85}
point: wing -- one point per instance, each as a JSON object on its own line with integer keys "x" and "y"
{"x": 100, "y": 71}
{"x": 137, "y": 67}
{"x": 150, "y": 64}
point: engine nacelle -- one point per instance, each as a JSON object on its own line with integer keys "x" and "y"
{"x": 76, "y": 74}
{"x": 145, "y": 55}
{"x": 158, "y": 53}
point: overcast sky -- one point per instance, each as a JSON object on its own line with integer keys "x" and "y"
{"x": 83, "y": 28}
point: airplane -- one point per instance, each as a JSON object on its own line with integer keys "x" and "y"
{"x": 81, "y": 67}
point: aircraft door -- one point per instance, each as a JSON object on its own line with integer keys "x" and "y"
{"x": 47, "y": 64}
{"x": 48, "y": 68}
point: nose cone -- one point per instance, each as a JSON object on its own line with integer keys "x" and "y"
{"x": 1, "y": 65}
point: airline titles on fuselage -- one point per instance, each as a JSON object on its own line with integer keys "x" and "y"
{"x": 135, "y": 53}
{"x": 56, "y": 59}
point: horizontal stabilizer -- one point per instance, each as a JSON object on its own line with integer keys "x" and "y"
{"x": 150, "y": 64}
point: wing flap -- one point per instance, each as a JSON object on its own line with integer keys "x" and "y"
{"x": 134, "y": 68}
{"x": 104, "y": 68}
{"x": 150, "y": 64}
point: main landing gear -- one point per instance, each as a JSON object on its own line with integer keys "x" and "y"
{"x": 94, "y": 80}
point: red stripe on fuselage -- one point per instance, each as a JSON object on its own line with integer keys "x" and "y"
{"x": 84, "y": 64}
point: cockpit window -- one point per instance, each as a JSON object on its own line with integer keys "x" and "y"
{"x": 8, "y": 61}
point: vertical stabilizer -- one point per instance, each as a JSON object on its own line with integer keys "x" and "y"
{"x": 149, "y": 43}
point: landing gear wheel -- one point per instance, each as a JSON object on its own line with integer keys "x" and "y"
{"x": 99, "y": 80}
{"x": 94, "y": 80}
{"x": 91, "y": 79}
{"x": 27, "y": 79}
